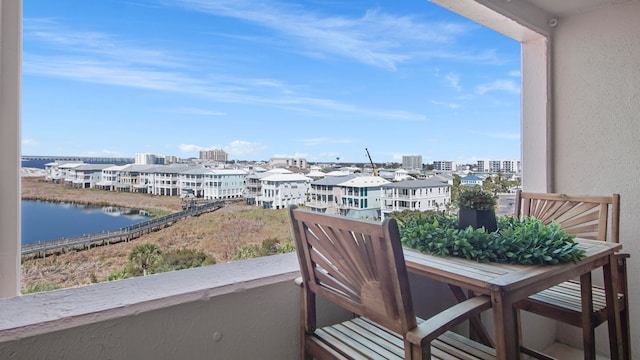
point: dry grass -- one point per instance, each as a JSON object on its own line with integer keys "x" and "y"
{"x": 217, "y": 234}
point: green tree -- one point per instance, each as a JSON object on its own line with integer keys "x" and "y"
{"x": 455, "y": 188}
{"x": 144, "y": 255}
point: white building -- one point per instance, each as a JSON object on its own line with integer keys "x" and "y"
{"x": 125, "y": 178}
{"x": 85, "y": 176}
{"x": 441, "y": 165}
{"x": 278, "y": 191}
{"x": 494, "y": 166}
{"x": 360, "y": 197}
{"x": 324, "y": 193}
{"x": 315, "y": 172}
{"x": 429, "y": 194}
{"x": 212, "y": 184}
{"x": 412, "y": 162}
{"x": 162, "y": 180}
{"x": 281, "y": 162}
{"x": 149, "y": 159}
{"x": 401, "y": 175}
{"x": 57, "y": 171}
{"x": 253, "y": 185}
{"x": 471, "y": 181}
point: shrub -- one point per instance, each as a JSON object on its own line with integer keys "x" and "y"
{"x": 525, "y": 241}
{"x": 183, "y": 259}
{"x": 36, "y": 288}
{"x": 118, "y": 274}
{"x": 476, "y": 199}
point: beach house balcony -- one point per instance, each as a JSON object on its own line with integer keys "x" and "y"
{"x": 580, "y": 128}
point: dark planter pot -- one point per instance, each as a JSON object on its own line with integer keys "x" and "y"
{"x": 477, "y": 219}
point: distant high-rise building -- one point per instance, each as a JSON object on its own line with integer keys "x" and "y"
{"x": 445, "y": 165}
{"x": 287, "y": 163}
{"x": 148, "y": 159}
{"x": 494, "y": 166}
{"x": 412, "y": 162}
{"x": 215, "y": 155}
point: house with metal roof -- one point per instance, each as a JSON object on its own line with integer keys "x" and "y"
{"x": 212, "y": 184}
{"x": 360, "y": 197}
{"x": 471, "y": 181}
{"x": 85, "y": 176}
{"x": 324, "y": 193}
{"x": 279, "y": 190}
{"x": 433, "y": 193}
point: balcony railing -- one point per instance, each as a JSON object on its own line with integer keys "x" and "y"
{"x": 240, "y": 310}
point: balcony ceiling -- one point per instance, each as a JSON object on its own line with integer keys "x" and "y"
{"x": 562, "y": 8}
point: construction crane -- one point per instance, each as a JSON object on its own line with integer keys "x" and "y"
{"x": 375, "y": 171}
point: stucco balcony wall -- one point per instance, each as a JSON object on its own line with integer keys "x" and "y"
{"x": 241, "y": 310}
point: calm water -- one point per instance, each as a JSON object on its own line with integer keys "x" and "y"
{"x": 48, "y": 221}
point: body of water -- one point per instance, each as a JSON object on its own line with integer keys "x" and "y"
{"x": 43, "y": 220}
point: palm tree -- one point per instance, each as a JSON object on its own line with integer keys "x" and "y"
{"x": 144, "y": 255}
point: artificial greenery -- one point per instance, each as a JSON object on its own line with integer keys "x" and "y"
{"x": 476, "y": 199}
{"x": 527, "y": 241}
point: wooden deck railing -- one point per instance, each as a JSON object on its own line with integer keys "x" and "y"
{"x": 119, "y": 235}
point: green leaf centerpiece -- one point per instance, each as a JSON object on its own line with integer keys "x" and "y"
{"x": 517, "y": 241}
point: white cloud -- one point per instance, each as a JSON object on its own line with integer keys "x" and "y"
{"x": 449, "y": 105}
{"x": 324, "y": 140}
{"x": 144, "y": 74}
{"x": 499, "y": 135}
{"x": 104, "y": 153}
{"x": 190, "y": 148}
{"x": 240, "y": 147}
{"x": 375, "y": 38}
{"x": 454, "y": 81}
{"x": 499, "y": 85}
{"x": 30, "y": 142}
{"x": 196, "y": 111}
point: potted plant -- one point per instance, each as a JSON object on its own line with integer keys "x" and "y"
{"x": 477, "y": 209}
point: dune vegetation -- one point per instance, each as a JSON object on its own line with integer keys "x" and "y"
{"x": 234, "y": 232}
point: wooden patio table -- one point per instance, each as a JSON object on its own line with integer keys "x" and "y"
{"x": 507, "y": 284}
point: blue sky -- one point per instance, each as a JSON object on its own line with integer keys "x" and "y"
{"x": 318, "y": 79}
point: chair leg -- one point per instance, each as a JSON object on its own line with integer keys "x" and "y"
{"x": 588, "y": 332}
{"x": 626, "y": 336}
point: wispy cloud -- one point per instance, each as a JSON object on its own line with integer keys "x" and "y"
{"x": 235, "y": 148}
{"x": 374, "y": 38}
{"x": 244, "y": 148}
{"x": 91, "y": 43}
{"x": 324, "y": 140}
{"x": 499, "y": 85}
{"x": 190, "y": 148}
{"x": 140, "y": 68}
{"x": 446, "y": 104}
{"x": 454, "y": 81}
{"x": 498, "y": 135}
{"x": 30, "y": 142}
{"x": 196, "y": 111}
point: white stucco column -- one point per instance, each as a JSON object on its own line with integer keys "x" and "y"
{"x": 10, "y": 72}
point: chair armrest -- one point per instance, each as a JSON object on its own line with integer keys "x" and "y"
{"x": 445, "y": 320}
{"x": 622, "y": 256}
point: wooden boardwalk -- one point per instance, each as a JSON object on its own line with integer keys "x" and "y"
{"x": 114, "y": 236}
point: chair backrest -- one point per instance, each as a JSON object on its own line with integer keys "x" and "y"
{"x": 358, "y": 265}
{"x": 585, "y": 216}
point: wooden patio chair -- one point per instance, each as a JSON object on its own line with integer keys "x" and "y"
{"x": 590, "y": 217}
{"x": 359, "y": 266}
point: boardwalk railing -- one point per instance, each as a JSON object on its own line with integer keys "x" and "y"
{"x": 122, "y": 234}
